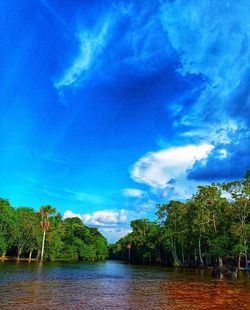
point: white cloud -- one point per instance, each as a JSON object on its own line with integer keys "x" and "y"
{"x": 70, "y": 214}
{"x": 100, "y": 218}
{"x": 114, "y": 234}
{"x": 166, "y": 172}
{"x": 107, "y": 222}
{"x": 156, "y": 169}
{"x": 223, "y": 153}
{"x": 105, "y": 218}
{"x": 133, "y": 192}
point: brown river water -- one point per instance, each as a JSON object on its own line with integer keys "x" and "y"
{"x": 115, "y": 285}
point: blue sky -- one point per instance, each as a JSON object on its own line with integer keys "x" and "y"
{"x": 109, "y": 107}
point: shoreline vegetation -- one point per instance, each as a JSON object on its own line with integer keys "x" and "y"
{"x": 44, "y": 235}
{"x": 211, "y": 229}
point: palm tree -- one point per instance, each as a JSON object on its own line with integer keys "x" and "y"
{"x": 44, "y": 213}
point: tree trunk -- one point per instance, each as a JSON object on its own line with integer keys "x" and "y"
{"x": 195, "y": 257}
{"x": 245, "y": 244}
{"x": 3, "y": 256}
{"x": 208, "y": 260}
{"x": 220, "y": 261}
{"x": 221, "y": 267}
{"x": 182, "y": 254}
{"x": 38, "y": 254}
{"x": 30, "y": 255}
{"x": 42, "y": 252}
{"x": 215, "y": 229}
{"x": 177, "y": 262}
{"x": 188, "y": 258}
{"x": 200, "y": 256}
{"x": 158, "y": 255}
{"x": 239, "y": 259}
{"x": 19, "y": 252}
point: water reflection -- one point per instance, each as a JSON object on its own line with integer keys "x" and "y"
{"x": 113, "y": 285}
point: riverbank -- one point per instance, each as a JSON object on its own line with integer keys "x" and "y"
{"x": 23, "y": 259}
{"x": 14, "y": 258}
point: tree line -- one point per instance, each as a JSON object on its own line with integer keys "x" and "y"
{"x": 209, "y": 228}
{"x": 25, "y": 233}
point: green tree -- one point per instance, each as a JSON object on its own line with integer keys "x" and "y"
{"x": 81, "y": 242}
{"x": 3, "y": 245}
{"x": 54, "y": 238}
{"x": 35, "y": 239}
{"x": 171, "y": 218}
{"x": 208, "y": 216}
{"x": 207, "y": 229}
{"x": 25, "y": 219}
{"x": 240, "y": 200}
{"x": 8, "y": 227}
{"x": 139, "y": 240}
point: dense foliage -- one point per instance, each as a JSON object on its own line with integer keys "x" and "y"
{"x": 213, "y": 225}
{"x": 29, "y": 234}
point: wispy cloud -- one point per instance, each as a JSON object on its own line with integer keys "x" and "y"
{"x": 53, "y": 12}
{"x": 141, "y": 46}
{"x": 82, "y": 196}
{"x": 90, "y": 45}
{"x": 52, "y": 158}
{"x": 210, "y": 38}
{"x": 213, "y": 46}
{"x": 66, "y": 194}
{"x": 133, "y": 192}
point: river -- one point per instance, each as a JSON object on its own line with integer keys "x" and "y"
{"x": 115, "y": 285}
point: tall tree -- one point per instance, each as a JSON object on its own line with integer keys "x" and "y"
{"x": 44, "y": 213}
{"x": 25, "y": 218}
{"x": 54, "y": 238}
{"x": 171, "y": 217}
{"x": 208, "y": 217}
{"x": 7, "y": 226}
{"x": 240, "y": 199}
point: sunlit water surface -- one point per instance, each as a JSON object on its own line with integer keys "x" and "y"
{"x": 114, "y": 285}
